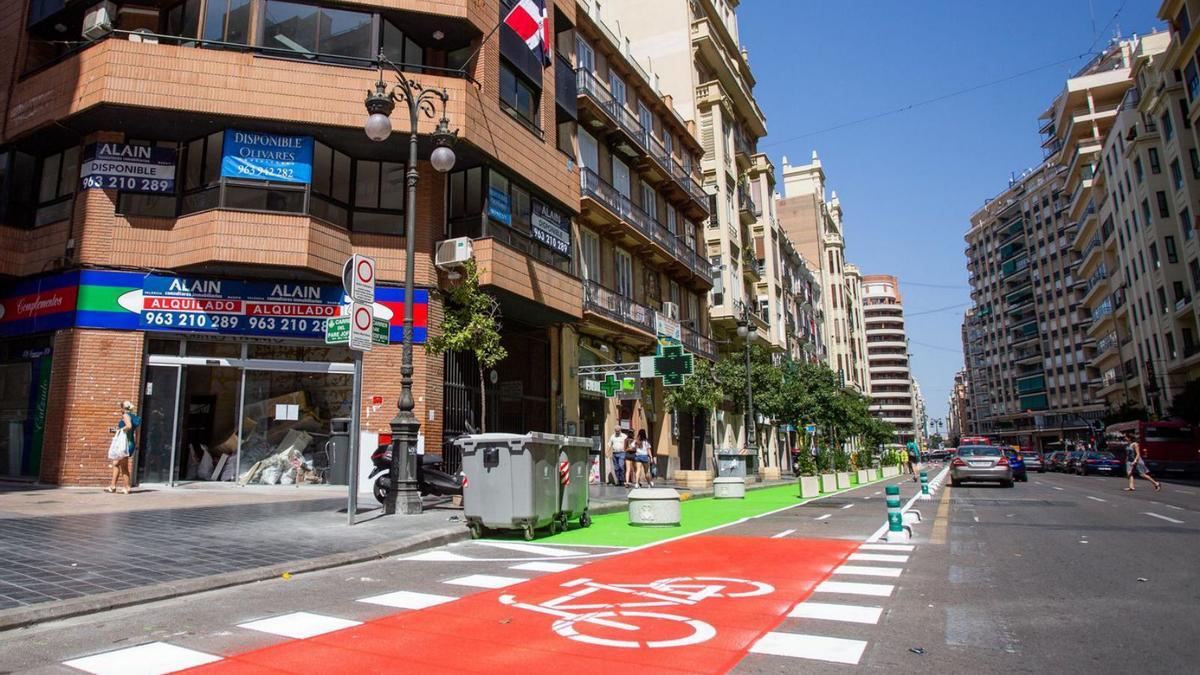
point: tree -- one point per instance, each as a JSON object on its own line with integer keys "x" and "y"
{"x": 1128, "y": 412}
{"x": 471, "y": 325}
{"x": 1186, "y": 404}
{"x": 935, "y": 440}
{"x": 697, "y": 396}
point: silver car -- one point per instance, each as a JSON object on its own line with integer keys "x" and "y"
{"x": 981, "y": 463}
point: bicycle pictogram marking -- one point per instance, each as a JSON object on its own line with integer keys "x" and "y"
{"x": 579, "y": 611}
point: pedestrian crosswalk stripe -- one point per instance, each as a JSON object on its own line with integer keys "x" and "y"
{"x": 437, "y": 556}
{"x": 878, "y": 557}
{"x": 854, "y": 588}
{"x": 299, "y": 625}
{"x": 484, "y": 581}
{"x": 148, "y": 659}
{"x": 537, "y": 566}
{"x": 408, "y": 600}
{"x": 834, "y": 612}
{"x": 868, "y": 571}
{"x": 886, "y": 547}
{"x": 547, "y": 551}
{"x": 815, "y": 647}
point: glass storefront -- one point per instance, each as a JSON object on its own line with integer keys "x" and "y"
{"x": 24, "y": 395}
{"x": 246, "y": 412}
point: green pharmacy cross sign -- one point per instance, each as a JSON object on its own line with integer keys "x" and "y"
{"x": 611, "y": 385}
{"x": 672, "y": 364}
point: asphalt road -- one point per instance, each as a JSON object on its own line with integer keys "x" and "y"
{"x": 997, "y": 580}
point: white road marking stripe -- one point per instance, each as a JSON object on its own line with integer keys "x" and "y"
{"x": 853, "y": 588}
{"x": 869, "y": 571}
{"x": 834, "y": 612}
{"x": 483, "y": 581}
{"x": 1095, "y": 499}
{"x": 1169, "y": 520}
{"x": 847, "y": 506}
{"x": 1038, "y": 482}
{"x": 823, "y": 517}
{"x": 436, "y": 556}
{"x": 878, "y": 557}
{"x": 877, "y": 492}
{"x": 544, "y": 566}
{"x": 976, "y": 518}
{"x": 148, "y": 659}
{"x": 783, "y": 534}
{"x": 529, "y": 548}
{"x": 1172, "y": 506}
{"x": 815, "y": 647}
{"x": 886, "y": 547}
{"x": 408, "y": 600}
{"x": 1058, "y": 488}
{"x": 299, "y": 625}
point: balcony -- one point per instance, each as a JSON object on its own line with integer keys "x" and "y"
{"x": 1011, "y": 231}
{"x": 603, "y": 204}
{"x": 618, "y": 309}
{"x": 691, "y": 183}
{"x": 606, "y": 116}
{"x": 747, "y": 209}
{"x": 1014, "y": 270}
{"x": 706, "y": 41}
{"x": 699, "y": 344}
{"x": 1093, "y": 246}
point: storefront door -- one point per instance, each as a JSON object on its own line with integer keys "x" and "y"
{"x": 160, "y": 412}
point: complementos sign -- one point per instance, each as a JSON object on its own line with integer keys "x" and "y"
{"x": 129, "y": 168}
{"x": 132, "y": 301}
{"x": 259, "y": 156}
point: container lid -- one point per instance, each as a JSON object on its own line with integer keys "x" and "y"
{"x": 581, "y": 441}
{"x": 653, "y": 493}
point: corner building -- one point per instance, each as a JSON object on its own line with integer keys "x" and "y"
{"x": 203, "y": 298}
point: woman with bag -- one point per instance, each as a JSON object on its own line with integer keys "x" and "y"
{"x": 642, "y": 454}
{"x": 122, "y": 447}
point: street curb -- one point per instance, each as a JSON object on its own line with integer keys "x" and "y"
{"x": 24, "y": 617}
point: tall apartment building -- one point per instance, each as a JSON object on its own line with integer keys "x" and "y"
{"x": 957, "y": 421}
{"x": 640, "y": 238}
{"x": 700, "y": 63}
{"x": 893, "y": 396}
{"x": 814, "y": 224}
{"x": 200, "y": 294}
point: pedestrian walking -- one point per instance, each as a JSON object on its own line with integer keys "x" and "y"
{"x": 643, "y": 455}
{"x": 1135, "y": 463}
{"x": 630, "y": 459}
{"x": 122, "y": 447}
{"x": 616, "y": 457}
{"x": 913, "y": 456}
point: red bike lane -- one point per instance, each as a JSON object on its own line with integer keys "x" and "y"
{"x": 693, "y": 605}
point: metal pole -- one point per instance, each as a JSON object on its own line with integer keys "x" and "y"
{"x": 405, "y": 425}
{"x": 355, "y": 433}
{"x": 752, "y": 442}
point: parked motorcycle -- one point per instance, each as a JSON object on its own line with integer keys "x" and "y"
{"x": 432, "y": 477}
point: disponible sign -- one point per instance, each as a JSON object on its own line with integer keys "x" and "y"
{"x": 259, "y": 156}
{"x": 549, "y": 228}
{"x": 129, "y": 168}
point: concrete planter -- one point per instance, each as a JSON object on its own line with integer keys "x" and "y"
{"x": 864, "y": 476}
{"x": 891, "y": 471}
{"x": 828, "y": 482}
{"x": 770, "y": 473}
{"x": 810, "y": 486}
{"x": 693, "y": 480}
{"x": 730, "y": 487}
{"x": 843, "y": 480}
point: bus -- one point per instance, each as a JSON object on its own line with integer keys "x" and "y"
{"x": 1168, "y": 447}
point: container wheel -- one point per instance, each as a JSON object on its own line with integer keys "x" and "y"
{"x": 528, "y": 532}
{"x": 585, "y": 520}
{"x": 554, "y": 527}
{"x": 476, "y": 530}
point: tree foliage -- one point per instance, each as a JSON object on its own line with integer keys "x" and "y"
{"x": 471, "y": 325}
{"x": 1129, "y": 412}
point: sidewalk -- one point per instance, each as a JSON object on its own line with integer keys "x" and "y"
{"x": 72, "y": 551}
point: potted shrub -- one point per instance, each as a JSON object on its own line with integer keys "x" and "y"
{"x": 810, "y": 485}
{"x": 841, "y": 464}
{"x": 862, "y": 461}
{"x": 825, "y": 467}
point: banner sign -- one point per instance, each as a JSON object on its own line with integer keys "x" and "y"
{"x": 129, "y": 168}
{"x": 499, "y": 207}
{"x": 135, "y": 301}
{"x": 550, "y": 229}
{"x": 259, "y": 156}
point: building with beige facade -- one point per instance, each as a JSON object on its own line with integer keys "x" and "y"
{"x": 892, "y": 391}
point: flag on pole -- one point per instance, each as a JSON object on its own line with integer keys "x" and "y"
{"x": 528, "y": 19}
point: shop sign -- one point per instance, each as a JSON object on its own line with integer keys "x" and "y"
{"x": 667, "y": 327}
{"x": 259, "y": 156}
{"x": 38, "y": 305}
{"x": 549, "y": 228}
{"x": 499, "y": 207}
{"x": 129, "y": 168}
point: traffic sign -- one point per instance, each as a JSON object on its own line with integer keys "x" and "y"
{"x": 358, "y": 278}
{"x": 362, "y": 325}
{"x": 337, "y": 331}
{"x": 810, "y": 428}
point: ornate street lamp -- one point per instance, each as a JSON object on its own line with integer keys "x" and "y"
{"x": 402, "y": 473}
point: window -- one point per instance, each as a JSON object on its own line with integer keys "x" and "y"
{"x": 1138, "y": 172}
{"x": 589, "y": 259}
{"x": 318, "y": 32}
{"x": 1154, "y": 260}
{"x": 616, "y": 86}
{"x": 227, "y": 21}
{"x": 1172, "y": 253}
{"x": 1146, "y": 212}
{"x": 1180, "y": 291}
{"x": 672, "y": 221}
{"x": 1176, "y": 174}
{"x": 379, "y": 191}
{"x": 1195, "y": 160}
{"x": 1167, "y": 128}
{"x": 465, "y": 202}
{"x": 518, "y": 96}
{"x": 1185, "y": 224}
{"x": 1162, "y": 299}
{"x": 589, "y": 151}
{"x": 398, "y": 48}
{"x": 620, "y": 174}
{"x": 57, "y": 177}
{"x": 1155, "y": 167}
{"x": 1164, "y": 208}
{"x": 624, "y": 272}
{"x": 183, "y": 19}
{"x": 1183, "y": 112}
{"x": 1194, "y": 268}
{"x": 152, "y": 205}
{"x": 649, "y": 201}
{"x": 585, "y": 57}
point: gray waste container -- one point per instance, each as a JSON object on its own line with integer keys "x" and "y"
{"x": 337, "y": 451}
{"x": 573, "y": 503}
{"x": 732, "y": 465}
{"x": 512, "y": 481}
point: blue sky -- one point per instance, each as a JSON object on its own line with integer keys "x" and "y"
{"x": 909, "y": 182}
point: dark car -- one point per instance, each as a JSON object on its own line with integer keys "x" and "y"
{"x": 1103, "y": 463}
{"x": 1018, "y": 466}
{"x": 1033, "y": 461}
{"x": 1056, "y": 461}
{"x": 1071, "y": 465}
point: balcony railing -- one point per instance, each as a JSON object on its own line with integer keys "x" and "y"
{"x": 746, "y": 202}
{"x": 616, "y": 110}
{"x": 1110, "y": 341}
{"x": 699, "y": 344}
{"x": 617, "y": 307}
{"x": 1092, "y": 244}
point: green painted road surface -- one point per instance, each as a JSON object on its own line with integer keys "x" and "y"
{"x": 613, "y": 529}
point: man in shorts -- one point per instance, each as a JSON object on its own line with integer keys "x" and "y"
{"x": 1135, "y": 463}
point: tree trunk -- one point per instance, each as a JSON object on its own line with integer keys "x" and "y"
{"x": 482, "y": 399}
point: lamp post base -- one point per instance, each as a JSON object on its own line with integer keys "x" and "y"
{"x": 408, "y": 501}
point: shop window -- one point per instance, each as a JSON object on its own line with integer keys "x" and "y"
{"x": 57, "y": 176}
{"x": 227, "y": 21}
{"x": 519, "y": 97}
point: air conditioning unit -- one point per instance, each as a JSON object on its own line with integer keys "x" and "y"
{"x": 453, "y": 253}
{"x": 98, "y": 21}
{"x": 671, "y": 310}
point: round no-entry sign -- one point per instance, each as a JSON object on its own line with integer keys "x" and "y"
{"x": 363, "y": 318}
{"x": 365, "y": 270}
